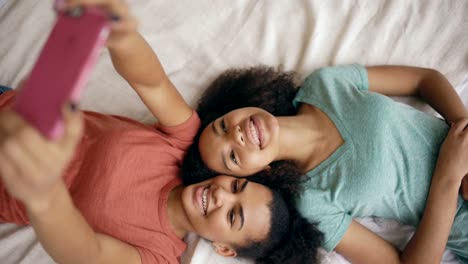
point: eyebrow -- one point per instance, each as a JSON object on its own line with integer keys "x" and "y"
{"x": 241, "y": 210}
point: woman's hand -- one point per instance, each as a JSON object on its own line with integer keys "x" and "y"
{"x": 464, "y": 188}
{"x": 30, "y": 165}
{"x": 453, "y": 156}
{"x": 123, "y": 23}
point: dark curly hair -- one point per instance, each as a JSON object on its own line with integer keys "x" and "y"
{"x": 291, "y": 239}
{"x": 262, "y": 87}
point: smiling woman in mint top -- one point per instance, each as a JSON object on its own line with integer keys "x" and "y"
{"x": 364, "y": 154}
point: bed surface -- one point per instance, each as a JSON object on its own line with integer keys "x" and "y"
{"x": 196, "y": 40}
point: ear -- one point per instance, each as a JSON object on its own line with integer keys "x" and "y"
{"x": 224, "y": 250}
{"x": 267, "y": 168}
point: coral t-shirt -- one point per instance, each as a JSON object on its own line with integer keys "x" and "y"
{"x": 120, "y": 180}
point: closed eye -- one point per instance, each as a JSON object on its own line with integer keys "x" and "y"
{"x": 231, "y": 217}
{"x": 222, "y": 124}
{"x": 235, "y": 186}
{"x": 233, "y": 158}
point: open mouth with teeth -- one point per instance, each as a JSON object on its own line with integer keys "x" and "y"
{"x": 253, "y": 133}
{"x": 205, "y": 200}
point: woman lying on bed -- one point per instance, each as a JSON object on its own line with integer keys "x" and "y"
{"x": 364, "y": 154}
{"x": 108, "y": 191}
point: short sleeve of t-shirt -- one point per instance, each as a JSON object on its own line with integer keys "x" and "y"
{"x": 331, "y": 220}
{"x": 327, "y": 86}
{"x": 181, "y": 136}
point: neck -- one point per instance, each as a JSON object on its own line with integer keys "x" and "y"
{"x": 298, "y": 138}
{"x": 177, "y": 218}
{"x": 307, "y": 138}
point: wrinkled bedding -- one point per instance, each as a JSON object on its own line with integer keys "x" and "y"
{"x": 196, "y": 40}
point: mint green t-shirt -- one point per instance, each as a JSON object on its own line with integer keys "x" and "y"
{"x": 384, "y": 168}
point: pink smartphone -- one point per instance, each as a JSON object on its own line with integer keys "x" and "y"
{"x": 62, "y": 69}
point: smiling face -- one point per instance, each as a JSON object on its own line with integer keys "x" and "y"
{"x": 240, "y": 143}
{"x": 227, "y": 210}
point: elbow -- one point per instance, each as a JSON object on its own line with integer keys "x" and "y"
{"x": 429, "y": 77}
{"x": 433, "y": 73}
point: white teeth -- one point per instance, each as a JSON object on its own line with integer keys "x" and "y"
{"x": 205, "y": 209}
{"x": 254, "y": 133}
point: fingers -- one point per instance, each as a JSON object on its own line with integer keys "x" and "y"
{"x": 13, "y": 130}
{"x": 73, "y": 128}
{"x": 15, "y": 161}
{"x": 119, "y": 12}
{"x": 7, "y": 169}
{"x": 126, "y": 24}
{"x": 22, "y": 162}
{"x": 460, "y": 126}
{"x": 464, "y": 188}
{"x": 29, "y": 163}
{"x": 29, "y": 152}
{"x": 9, "y": 122}
{"x": 115, "y": 7}
{"x": 9, "y": 175}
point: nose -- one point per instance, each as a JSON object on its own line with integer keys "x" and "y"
{"x": 238, "y": 136}
{"x": 222, "y": 197}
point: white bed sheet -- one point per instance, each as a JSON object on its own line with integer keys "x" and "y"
{"x": 196, "y": 40}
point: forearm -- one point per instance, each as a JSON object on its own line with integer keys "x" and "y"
{"x": 429, "y": 241}
{"x": 439, "y": 93}
{"x": 62, "y": 230}
{"x": 136, "y": 62}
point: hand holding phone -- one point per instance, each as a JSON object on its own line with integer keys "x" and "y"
{"x": 62, "y": 69}
{"x": 123, "y": 23}
{"x": 31, "y": 176}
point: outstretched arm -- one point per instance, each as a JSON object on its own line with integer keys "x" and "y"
{"x": 427, "y": 245}
{"x": 134, "y": 59}
{"x": 137, "y": 63}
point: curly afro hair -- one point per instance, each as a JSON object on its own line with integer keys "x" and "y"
{"x": 273, "y": 91}
{"x": 292, "y": 239}
{"x": 262, "y": 87}
{"x": 299, "y": 245}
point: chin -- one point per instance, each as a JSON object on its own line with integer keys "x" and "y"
{"x": 187, "y": 204}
